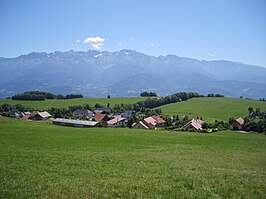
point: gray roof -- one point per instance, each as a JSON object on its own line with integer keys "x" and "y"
{"x": 128, "y": 113}
{"x": 15, "y": 114}
{"x": 79, "y": 122}
{"x": 82, "y": 112}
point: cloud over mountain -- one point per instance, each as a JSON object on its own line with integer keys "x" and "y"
{"x": 95, "y": 42}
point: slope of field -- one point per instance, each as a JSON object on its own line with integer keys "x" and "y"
{"x": 40, "y": 160}
{"x": 211, "y": 109}
{"x": 71, "y": 102}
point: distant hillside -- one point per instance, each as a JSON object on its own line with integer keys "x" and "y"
{"x": 127, "y": 73}
{"x": 211, "y": 109}
{"x": 40, "y": 105}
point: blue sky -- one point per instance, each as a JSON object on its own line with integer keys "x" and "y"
{"x": 203, "y": 29}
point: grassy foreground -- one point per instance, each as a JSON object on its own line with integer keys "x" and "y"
{"x": 212, "y": 109}
{"x": 40, "y": 160}
{"x": 40, "y": 105}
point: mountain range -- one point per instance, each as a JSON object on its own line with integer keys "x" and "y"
{"x": 127, "y": 73}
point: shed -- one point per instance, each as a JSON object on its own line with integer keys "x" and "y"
{"x": 140, "y": 125}
{"x": 41, "y": 116}
{"x": 237, "y": 124}
{"x": 75, "y": 123}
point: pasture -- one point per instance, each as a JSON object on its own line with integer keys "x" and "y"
{"x": 211, "y": 109}
{"x": 46, "y": 104}
{"x": 40, "y": 160}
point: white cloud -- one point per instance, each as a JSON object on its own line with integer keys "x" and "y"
{"x": 77, "y": 41}
{"x": 131, "y": 39}
{"x": 210, "y": 55}
{"x": 152, "y": 44}
{"x": 95, "y": 42}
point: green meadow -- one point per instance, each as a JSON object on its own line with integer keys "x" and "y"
{"x": 41, "y": 160}
{"x": 211, "y": 109}
{"x": 46, "y": 104}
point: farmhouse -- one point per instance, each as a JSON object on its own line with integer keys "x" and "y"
{"x": 82, "y": 113}
{"x": 101, "y": 117}
{"x": 237, "y": 124}
{"x": 41, "y": 116}
{"x": 154, "y": 121}
{"x": 33, "y": 113}
{"x": 194, "y": 124}
{"x": 74, "y": 123}
{"x": 117, "y": 122}
{"x": 140, "y": 125}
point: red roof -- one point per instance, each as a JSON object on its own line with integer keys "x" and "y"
{"x": 153, "y": 120}
{"x": 158, "y": 120}
{"x": 150, "y": 120}
{"x": 26, "y": 117}
{"x": 99, "y": 117}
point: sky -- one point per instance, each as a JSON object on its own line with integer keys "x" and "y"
{"x": 232, "y": 30}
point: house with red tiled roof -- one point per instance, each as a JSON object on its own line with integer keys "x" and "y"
{"x": 154, "y": 121}
{"x": 26, "y": 117}
{"x": 194, "y": 124}
{"x": 101, "y": 117}
{"x": 237, "y": 124}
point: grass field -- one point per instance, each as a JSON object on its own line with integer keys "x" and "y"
{"x": 212, "y": 109}
{"x": 40, "y": 160}
{"x": 40, "y": 105}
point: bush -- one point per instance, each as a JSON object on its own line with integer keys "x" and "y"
{"x": 205, "y": 131}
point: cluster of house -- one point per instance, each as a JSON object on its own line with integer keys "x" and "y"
{"x": 98, "y": 117}
{"x": 196, "y": 125}
{"x": 35, "y": 115}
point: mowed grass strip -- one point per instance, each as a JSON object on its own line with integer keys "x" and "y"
{"x": 40, "y": 160}
{"x": 46, "y": 104}
{"x": 211, "y": 109}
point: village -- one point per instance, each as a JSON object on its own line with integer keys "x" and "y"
{"x": 102, "y": 117}
{"x": 145, "y": 114}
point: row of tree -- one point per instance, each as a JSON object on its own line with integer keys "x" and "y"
{"x": 156, "y": 102}
{"x": 152, "y": 94}
{"x": 148, "y": 94}
{"x": 40, "y": 95}
{"x": 215, "y": 95}
{"x": 5, "y": 108}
